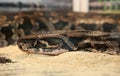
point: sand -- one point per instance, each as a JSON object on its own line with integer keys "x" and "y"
{"x": 67, "y": 64}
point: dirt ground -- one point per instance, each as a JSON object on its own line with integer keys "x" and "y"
{"x": 67, "y": 64}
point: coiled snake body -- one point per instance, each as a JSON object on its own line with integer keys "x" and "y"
{"x": 52, "y": 43}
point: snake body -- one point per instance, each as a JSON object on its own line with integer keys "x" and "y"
{"x": 48, "y": 43}
{"x": 55, "y": 32}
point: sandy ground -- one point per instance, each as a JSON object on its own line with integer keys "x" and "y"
{"x": 67, "y": 64}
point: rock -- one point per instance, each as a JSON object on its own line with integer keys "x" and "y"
{"x": 5, "y": 60}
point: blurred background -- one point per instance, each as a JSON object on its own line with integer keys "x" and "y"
{"x": 101, "y": 6}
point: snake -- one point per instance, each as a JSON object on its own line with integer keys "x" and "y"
{"x": 52, "y": 43}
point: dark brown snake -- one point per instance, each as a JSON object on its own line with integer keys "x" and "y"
{"x": 52, "y": 43}
{"x": 58, "y": 31}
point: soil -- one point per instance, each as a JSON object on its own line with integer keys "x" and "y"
{"x": 67, "y": 64}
